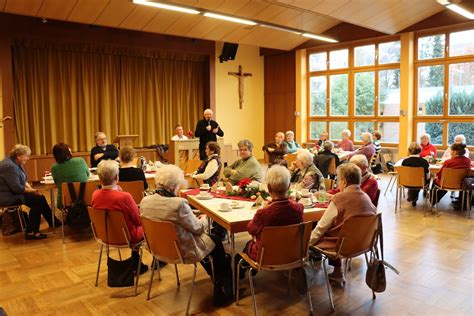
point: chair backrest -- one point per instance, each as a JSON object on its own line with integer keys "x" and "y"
{"x": 280, "y": 246}
{"x": 374, "y": 158}
{"x": 387, "y": 157}
{"x": 411, "y": 176}
{"x": 329, "y": 183}
{"x": 115, "y": 233}
{"x": 452, "y": 178}
{"x": 162, "y": 239}
{"x": 332, "y": 167}
{"x": 192, "y": 165}
{"x": 135, "y": 188}
{"x": 199, "y": 182}
{"x": 358, "y": 235}
{"x": 89, "y": 190}
{"x": 290, "y": 158}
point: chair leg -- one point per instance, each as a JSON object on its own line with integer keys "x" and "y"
{"x": 388, "y": 186}
{"x": 238, "y": 282}
{"x": 62, "y": 224}
{"x": 120, "y": 255}
{"x": 138, "y": 270}
{"x": 98, "y": 265}
{"x": 177, "y": 275}
{"x": 396, "y": 200}
{"x": 21, "y": 218}
{"x": 366, "y": 259}
{"x": 437, "y": 202}
{"x": 153, "y": 264}
{"x": 212, "y": 269}
{"x": 310, "y": 302}
{"x": 462, "y": 200}
{"x": 289, "y": 282}
{"x": 191, "y": 291}
{"x": 253, "y": 292}
{"x": 158, "y": 268}
{"x": 328, "y": 285}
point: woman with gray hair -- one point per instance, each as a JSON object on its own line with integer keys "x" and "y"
{"x": 427, "y": 149}
{"x": 458, "y": 139}
{"x": 292, "y": 145}
{"x": 165, "y": 205}
{"x": 324, "y": 159}
{"x": 245, "y": 167}
{"x": 345, "y": 144}
{"x": 14, "y": 190}
{"x": 281, "y": 211}
{"x": 304, "y": 173}
{"x": 367, "y": 149}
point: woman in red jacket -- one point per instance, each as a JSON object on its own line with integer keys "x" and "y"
{"x": 458, "y": 161}
{"x": 427, "y": 149}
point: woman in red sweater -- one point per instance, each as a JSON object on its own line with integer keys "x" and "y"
{"x": 458, "y": 161}
{"x": 427, "y": 149}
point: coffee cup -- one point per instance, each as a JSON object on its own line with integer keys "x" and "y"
{"x": 305, "y": 193}
{"x": 205, "y": 186}
{"x": 306, "y": 201}
{"x": 203, "y": 194}
{"x": 225, "y": 206}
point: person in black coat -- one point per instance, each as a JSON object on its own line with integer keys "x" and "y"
{"x": 414, "y": 160}
{"x": 323, "y": 159}
{"x": 127, "y": 170}
{"x": 102, "y": 151}
{"x": 207, "y": 130}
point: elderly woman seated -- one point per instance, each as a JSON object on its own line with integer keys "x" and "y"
{"x": 414, "y": 160}
{"x": 427, "y": 148}
{"x": 281, "y": 211}
{"x": 324, "y": 158}
{"x": 345, "y": 144}
{"x": 368, "y": 183}
{"x": 128, "y": 171}
{"x": 245, "y": 167}
{"x": 210, "y": 169}
{"x": 111, "y": 197}
{"x": 292, "y": 145}
{"x": 191, "y": 230}
{"x": 350, "y": 202}
{"x": 304, "y": 173}
{"x": 367, "y": 149}
{"x": 458, "y": 139}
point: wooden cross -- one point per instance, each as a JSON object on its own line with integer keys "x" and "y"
{"x": 241, "y": 76}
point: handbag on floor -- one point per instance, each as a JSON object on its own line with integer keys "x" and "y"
{"x": 11, "y": 223}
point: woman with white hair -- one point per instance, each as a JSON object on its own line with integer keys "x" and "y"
{"x": 458, "y": 139}
{"x": 367, "y": 149}
{"x": 281, "y": 211}
{"x": 292, "y": 145}
{"x": 345, "y": 144}
{"x": 15, "y": 190}
{"x": 165, "y": 205}
{"x": 304, "y": 173}
{"x": 427, "y": 149}
{"x": 111, "y": 198}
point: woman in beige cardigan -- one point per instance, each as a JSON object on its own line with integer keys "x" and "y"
{"x": 191, "y": 230}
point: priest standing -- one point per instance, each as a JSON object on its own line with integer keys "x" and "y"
{"x": 207, "y": 130}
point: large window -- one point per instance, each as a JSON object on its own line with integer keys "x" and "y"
{"x": 445, "y": 86}
{"x": 356, "y": 88}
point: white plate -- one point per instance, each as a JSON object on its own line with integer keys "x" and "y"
{"x": 308, "y": 206}
{"x": 199, "y": 197}
{"x": 237, "y": 206}
{"x": 228, "y": 210}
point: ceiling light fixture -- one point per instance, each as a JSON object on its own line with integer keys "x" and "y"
{"x": 281, "y": 28}
{"x": 321, "y": 38}
{"x": 461, "y": 11}
{"x": 229, "y": 18}
{"x": 167, "y": 6}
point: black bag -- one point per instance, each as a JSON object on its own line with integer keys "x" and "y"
{"x": 77, "y": 215}
{"x": 390, "y": 166}
{"x": 120, "y": 273}
{"x": 377, "y": 168}
{"x": 375, "y": 276}
{"x": 468, "y": 183}
{"x": 304, "y": 278}
{"x": 11, "y": 222}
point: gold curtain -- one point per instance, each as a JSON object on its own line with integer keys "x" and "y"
{"x": 65, "y": 93}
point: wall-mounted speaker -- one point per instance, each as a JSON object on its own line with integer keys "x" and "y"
{"x": 228, "y": 52}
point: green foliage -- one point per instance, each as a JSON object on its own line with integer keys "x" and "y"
{"x": 365, "y": 93}
{"x": 318, "y": 100}
{"x": 339, "y": 95}
{"x": 461, "y": 103}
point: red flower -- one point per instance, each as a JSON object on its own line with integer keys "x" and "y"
{"x": 189, "y": 134}
{"x": 244, "y": 183}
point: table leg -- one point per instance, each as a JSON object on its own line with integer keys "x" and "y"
{"x": 53, "y": 209}
{"x": 232, "y": 253}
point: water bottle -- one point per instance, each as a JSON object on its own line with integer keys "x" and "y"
{"x": 322, "y": 195}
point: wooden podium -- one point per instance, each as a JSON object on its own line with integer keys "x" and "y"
{"x": 125, "y": 140}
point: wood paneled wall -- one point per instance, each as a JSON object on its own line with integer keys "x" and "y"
{"x": 280, "y": 94}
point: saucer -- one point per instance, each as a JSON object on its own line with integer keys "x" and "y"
{"x": 237, "y": 206}
{"x": 308, "y": 205}
{"x": 206, "y": 197}
{"x": 225, "y": 210}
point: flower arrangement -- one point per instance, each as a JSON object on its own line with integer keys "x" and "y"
{"x": 190, "y": 134}
{"x": 249, "y": 189}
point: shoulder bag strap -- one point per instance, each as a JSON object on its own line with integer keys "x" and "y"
{"x": 82, "y": 191}
{"x": 72, "y": 192}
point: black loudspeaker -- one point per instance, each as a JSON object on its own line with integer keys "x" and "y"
{"x": 228, "y": 52}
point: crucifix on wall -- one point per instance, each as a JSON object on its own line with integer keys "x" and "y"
{"x": 241, "y": 76}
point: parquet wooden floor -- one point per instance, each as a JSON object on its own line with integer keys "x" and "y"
{"x": 435, "y": 256}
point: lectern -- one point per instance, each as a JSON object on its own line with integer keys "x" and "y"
{"x": 125, "y": 140}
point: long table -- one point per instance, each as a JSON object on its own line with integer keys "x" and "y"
{"x": 236, "y": 221}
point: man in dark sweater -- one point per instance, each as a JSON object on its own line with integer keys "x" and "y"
{"x": 207, "y": 130}
{"x": 102, "y": 151}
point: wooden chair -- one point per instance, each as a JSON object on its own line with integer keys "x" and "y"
{"x": 67, "y": 200}
{"x": 290, "y": 158}
{"x": 162, "y": 241}
{"x": 111, "y": 230}
{"x": 329, "y": 184}
{"x": 192, "y": 165}
{"x": 332, "y": 168}
{"x": 451, "y": 181}
{"x": 279, "y": 250}
{"x": 135, "y": 188}
{"x": 373, "y": 160}
{"x": 358, "y": 236}
{"x": 408, "y": 178}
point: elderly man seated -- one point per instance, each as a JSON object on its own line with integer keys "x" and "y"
{"x": 112, "y": 198}
{"x": 350, "y": 202}
{"x": 245, "y": 167}
{"x": 191, "y": 230}
{"x": 368, "y": 182}
{"x": 281, "y": 211}
{"x": 367, "y": 149}
{"x": 304, "y": 173}
{"x": 276, "y": 150}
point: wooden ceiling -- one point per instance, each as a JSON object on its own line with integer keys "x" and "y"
{"x": 315, "y": 16}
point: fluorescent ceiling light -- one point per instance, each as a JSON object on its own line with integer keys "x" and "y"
{"x": 321, "y": 38}
{"x": 228, "y": 18}
{"x": 461, "y": 11}
{"x": 443, "y": 2}
{"x": 280, "y": 28}
{"x": 166, "y": 6}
